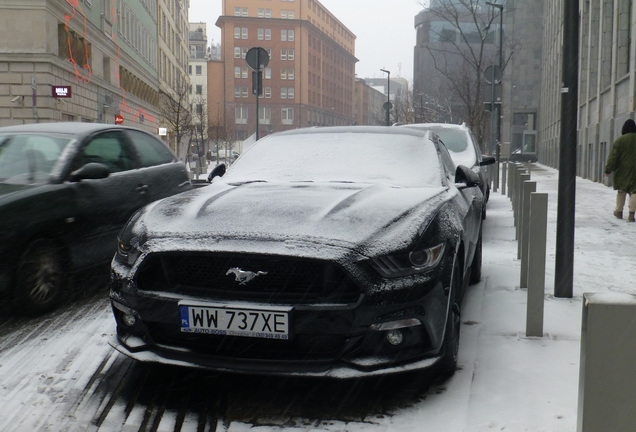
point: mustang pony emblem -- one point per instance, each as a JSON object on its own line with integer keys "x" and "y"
{"x": 243, "y": 277}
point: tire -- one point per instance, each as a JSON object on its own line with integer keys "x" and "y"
{"x": 475, "y": 267}
{"x": 40, "y": 279}
{"x": 448, "y": 362}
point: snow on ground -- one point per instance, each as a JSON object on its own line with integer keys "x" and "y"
{"x": 506, "y": 381}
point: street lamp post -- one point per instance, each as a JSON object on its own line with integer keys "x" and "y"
{"x": 387, "y": 105}
{"x": 499, "y": 106}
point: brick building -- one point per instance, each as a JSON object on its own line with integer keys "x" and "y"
{"x": 310, "y": 77}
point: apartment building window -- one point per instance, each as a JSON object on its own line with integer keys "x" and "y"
{"x": 199, "y": 89}
{"x": 268, "y": 34}
{"x": 290, "y": 14}
{"x": 244, "y": 72}
{"x": 283, "y": 35}
{"x": 265, "y": 115}
{"x": 237, "y": 32}
{"x": 287, "y": 54}
{"x": 244, "y": 52}
{"x": 244, "y": 33}
{"x": 290, "y": 93}
{"x": 237, "y": 92}
{"x": 283, "y": 74}
{"x": 267, "y": 73}
{"x": 189, "y": 69}
{"x": 245, "y": 12}
{"x": 240, "y": 114}
{"x": 267, "y": 92}
{"x": 237, "y": 11}
{"x": 283, "y": 93}
{"x": 261, "y": 34}
{"x": 283, "y": 14}
{"x": 261, "y": 12}
{"x": 268, "y": 13}
{"x": 198, "y": 70}
{"x": 290, "y": 74}
{"x": 290, "y": 35}
{"x": 287, "y": 115}
{"x": 237, "y": 52}
{"x": 237, "y": 71}
{"x": 244, "y": 92}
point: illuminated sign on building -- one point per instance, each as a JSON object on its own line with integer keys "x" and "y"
{"x": 61, "y": 91}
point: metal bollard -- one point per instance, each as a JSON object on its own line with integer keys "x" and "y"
{"x": 536, "y": 263}
{"x": 522, "y": 244}
{"x": 518, "y": 205}
{"x": 504, "y": 172}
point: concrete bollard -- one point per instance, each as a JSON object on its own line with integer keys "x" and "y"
{"x": 522, "y": 245}
{"x": 607, "y": 376}
{"x": 518, "y": 206}
{"x": 536, "y": 263}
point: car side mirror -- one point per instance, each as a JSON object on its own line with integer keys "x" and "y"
{"x": 465, "y": 177}
{"x": 90, "y": 171}
{"x": 217, "y": 171}
{"x": 487, "y": 160}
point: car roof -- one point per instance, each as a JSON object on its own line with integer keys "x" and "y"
{"x": 354, "y": 129}
{"x": 70, "y": 128}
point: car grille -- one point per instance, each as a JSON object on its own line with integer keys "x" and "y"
{"x": 308, "y": 347}
{"x": 288, "y": 280}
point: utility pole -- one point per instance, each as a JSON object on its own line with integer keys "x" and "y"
{"x": 564, "y": 263}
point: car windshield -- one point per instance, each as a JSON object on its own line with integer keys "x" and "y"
{"x": 457, "y": 143}
{"x": 349, "y": 157}
{"x": 29, "y": 158}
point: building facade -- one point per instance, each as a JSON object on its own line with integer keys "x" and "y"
{"x": 369, "y": 101}
{"x": 198, "y": 73}
{"x": 105, "y": 57}
{"x": 516, "y": 37}
{"x": 309, "y": 79}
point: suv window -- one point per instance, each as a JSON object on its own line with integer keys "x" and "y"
{"x": 150, "y": 150}
{"x": 108, "y": 148}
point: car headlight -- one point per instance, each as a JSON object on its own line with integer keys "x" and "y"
{"x": 408, "y": 263}
{"x": 130, "y": 240}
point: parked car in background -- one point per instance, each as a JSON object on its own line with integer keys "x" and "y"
{"x": 338, "y": 251}
{"x": 66, "y": 190}
{"x": 463, "y": 148}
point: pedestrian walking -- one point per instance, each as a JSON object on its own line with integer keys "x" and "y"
{"x": 622, "y": 162}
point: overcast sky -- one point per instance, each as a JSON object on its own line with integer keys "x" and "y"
{"x": 384, "y": 29}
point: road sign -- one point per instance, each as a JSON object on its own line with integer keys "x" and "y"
{"x": 119, "y": 119}
{"x": 493, "y": 71}
{"x": 257, "y": 58}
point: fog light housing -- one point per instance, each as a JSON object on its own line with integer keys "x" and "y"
{"x": 395, "y": 337}
{"x": 128, "y": 319}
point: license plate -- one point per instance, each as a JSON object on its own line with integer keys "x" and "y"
{"x": 267, "y": 323}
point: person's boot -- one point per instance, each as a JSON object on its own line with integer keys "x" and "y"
{"x": 618, "y": 214}
{"x": 630, "y": 218}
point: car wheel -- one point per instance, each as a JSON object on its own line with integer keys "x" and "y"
{"x": 40, "y": 278}
{"x": 448, "y": 362}
{"x": 475, "y": 267}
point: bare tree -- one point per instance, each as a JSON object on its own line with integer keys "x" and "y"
{"x": 221, "y": 136}
{"x": 177, "y": 114}
{"x": 461, "y": 46}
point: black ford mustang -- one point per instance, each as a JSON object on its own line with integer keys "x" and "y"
{"x": 321, "y": 252}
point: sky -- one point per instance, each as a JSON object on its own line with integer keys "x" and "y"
{"x": 384, "y": 29}
{"x": 51, "y": 367}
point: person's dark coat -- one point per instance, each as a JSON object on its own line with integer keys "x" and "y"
{"x": 622, "y": 159}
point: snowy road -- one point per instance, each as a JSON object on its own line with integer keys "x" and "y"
{"x": 59, "y": 374}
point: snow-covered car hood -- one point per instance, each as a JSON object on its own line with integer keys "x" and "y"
{"x": 336, "y": 214}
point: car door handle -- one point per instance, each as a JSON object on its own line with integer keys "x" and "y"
{"x": 142, "y": 189}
